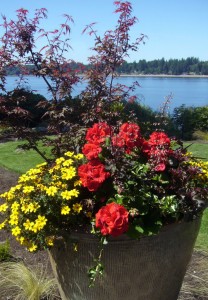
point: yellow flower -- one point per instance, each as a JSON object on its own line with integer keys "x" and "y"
{"x": 28, "y": 225}
{"x": 15, "y": 206}
{"x": 51, "y": 191}
{"x": 18, "y": 187}
{"x": 28, "y": 189}
{"x": 69, "y": 154}
{"x": 59, "y": 160}
{"x": 3, "y": 224}
{"x": 79, "y": 156}
{"x": 69, "y": 194}
{"x": 51, "y": 170}
{"x": 13, "y": 219}
{"x": 23, "y": 178}
{"x": 21, "y": 240}
{"x": 41, "y": 165}
{"x": 16, "y": 231}
{"x": 55, "y": 177}
{"x": 67, "y": 162}
{"x": 40, "y": 186}
{"x": 68, "y": 173}
{"x": 31, "y": 207}
{"x": 77, "y": 207}
{"x": 24, "y": 207}
{"x": 8, "y": 195}
{"x": 65, "y": 210}
{"x": 32, "y": 247}
{"x": 74, "y": 193}
{"x": 50, "y": 240}
{"x": 3, "y": 207}
{"x": 77, "y": 183}
{"x": 39, "y": 223}
{"x": 32, "y": 172}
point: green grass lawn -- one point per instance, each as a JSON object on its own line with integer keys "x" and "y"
{"x": 20, "y": 162}
{"x": 17, "y": 160}
{"x": 200, "y": 150}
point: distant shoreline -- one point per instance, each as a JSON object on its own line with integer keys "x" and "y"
{"x": 163, "y": 75}
{"x": 143, "y": 75}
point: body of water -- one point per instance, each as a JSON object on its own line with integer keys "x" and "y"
{"x": 151, "y": 92}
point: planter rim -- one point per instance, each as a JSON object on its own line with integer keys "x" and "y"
{"x": 79, "y": 235}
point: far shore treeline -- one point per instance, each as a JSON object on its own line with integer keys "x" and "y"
{"x": 188, "y": 66}
{"x": 185, "y": 122}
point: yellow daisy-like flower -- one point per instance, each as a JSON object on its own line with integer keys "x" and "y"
{"x": 59, "y": 160}
{"x": 24, "y": 178}
{"x": 79, "y": 156}
{"x": 13, "y": 219}
{"x": 8, "y": 195}
{"x": 3, "y": 207}
{"x": 68, "y": 173}
{"x": 28, "y": 189}
{"x": 51, "y": 190}
{"x": 69, "y": 194}
{"x": 74, "y": 193}
{"x": 77, "y": 183}
{"x": 69, "y": 154}
{"x": 67, "y": 162}
{"x": 55, "y": 177}
{"x": 28, "y": 225}
{"x": 35, "y": 171}
{"x": 31, "y": 207}
{"x": 15, "y": 206}
{"x": 77, "y": 207}
{"x": 65, "y": 210}
{"x": 40, "y": 186}
{"x": 3, "y": 224}
{"x": 24, "y": 207}
{"x": 39, "y": 223}
{"x": 18, "y": 187}
{"x": 32, "y": 247}
{"x": 41, "y": 165}
{"x": 51, "y": 170}
{"x": 16, "y": 231}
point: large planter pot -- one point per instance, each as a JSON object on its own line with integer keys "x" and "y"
{"x": 151, "y": 268}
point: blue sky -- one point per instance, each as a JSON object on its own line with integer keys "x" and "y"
{"x": 175, "y": 28}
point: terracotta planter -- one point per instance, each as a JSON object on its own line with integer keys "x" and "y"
{"x": 151, "y": 268}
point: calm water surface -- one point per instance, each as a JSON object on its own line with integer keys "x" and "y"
{"x": 152, "y": 91}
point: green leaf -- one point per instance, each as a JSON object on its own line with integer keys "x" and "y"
{"x": 139, "y": 229}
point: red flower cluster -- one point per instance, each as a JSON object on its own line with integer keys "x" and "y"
{"x": 112, "y": 219}
{"x": 98, "y": 133}
{"x": 91, "y": 151}
{"x": 129, "y": 136}
{"x": 158, "y": 150}
{"x": 93, "y": 173}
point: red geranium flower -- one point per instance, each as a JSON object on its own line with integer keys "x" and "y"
{"x": 98, "y": 133}
{"x": 158, "y": 150}
{"x": 129, "y": 136}
{"x": 112, "y": 219}
{"x": 91, "y": 151}
{"x": 92, "y": 175}
{"x": 159, "y": 138}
